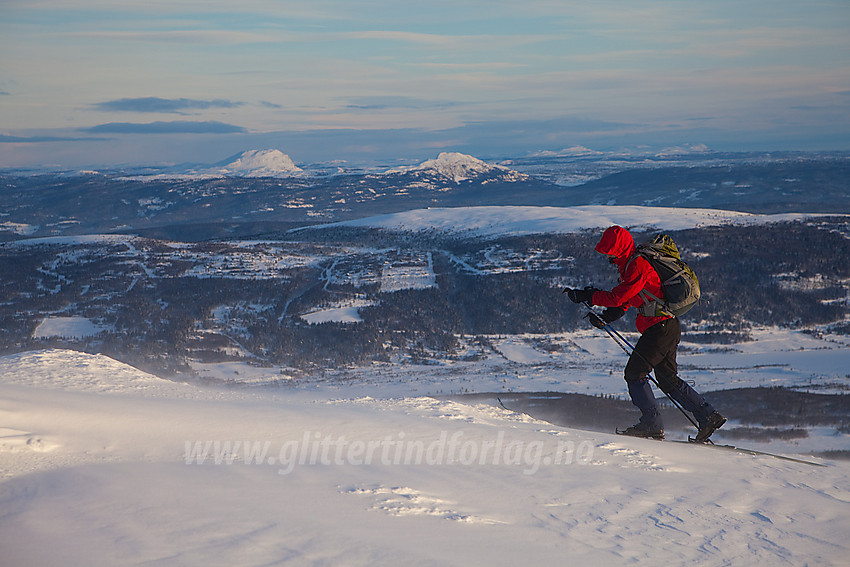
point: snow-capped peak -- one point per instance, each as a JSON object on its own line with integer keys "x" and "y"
{"x": 456, "y": 166}
{"x": 261, "y": 163}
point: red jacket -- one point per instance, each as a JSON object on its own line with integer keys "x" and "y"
{"x": 635, "y": 276}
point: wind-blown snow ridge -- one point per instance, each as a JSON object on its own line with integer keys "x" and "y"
{"x": 75, "y": 371}
{"x": 493, "y": 221}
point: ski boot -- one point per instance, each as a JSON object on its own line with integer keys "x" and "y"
{"x": 714, "y": 422}
{"x": 644, "y": 431}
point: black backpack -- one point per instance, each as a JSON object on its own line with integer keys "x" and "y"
{"x": 678, "y": 281}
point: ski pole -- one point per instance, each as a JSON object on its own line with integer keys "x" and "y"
{"x": 611, "y": 333}
{"x": 617, "y": 337}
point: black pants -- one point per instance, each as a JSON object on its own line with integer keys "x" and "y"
{"x": 656, "y": 350}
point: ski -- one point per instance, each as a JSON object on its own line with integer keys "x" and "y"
{"x": 659, "y": 437}
{"x": 692, "y": 441}
{"x": 747, "y": 451}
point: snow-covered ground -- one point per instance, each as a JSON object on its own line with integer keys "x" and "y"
{"x": 586, "y": 362}
{"x": 346, "y": 312}
{"x": 103, "y": 464}
{"x": 66, "y": 327}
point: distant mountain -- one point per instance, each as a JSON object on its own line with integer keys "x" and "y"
{"x": 259, "y": 163}
{"x": 262, "y": 191}
{"x": 251, "y": 163}
{"x": 460, "y": 167}
{"x": 453, "y": 166}
{"x": 252, "y": 192}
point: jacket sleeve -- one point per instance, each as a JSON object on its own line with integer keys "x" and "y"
{"x": 630, "y": 285}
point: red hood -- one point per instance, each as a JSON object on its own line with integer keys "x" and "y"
{"x": 616, "y": 241}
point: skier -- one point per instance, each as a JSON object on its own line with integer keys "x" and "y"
{"x": 656, "y": 348}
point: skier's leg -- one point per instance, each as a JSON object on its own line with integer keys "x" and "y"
{"x": 642, "y": 397}
{"x": 692, "y": 401}
{"x": 666, "y": 373}
{"x": 636, "y": 375}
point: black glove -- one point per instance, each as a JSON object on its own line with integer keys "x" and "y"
{"x": 580, "y": 295}
{"x": 595, "y": 320}
{"x": 611, "y": 314}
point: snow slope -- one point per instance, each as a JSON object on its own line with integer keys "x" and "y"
{"x": 103, "y": 464}
{"x": 489, "y": 221}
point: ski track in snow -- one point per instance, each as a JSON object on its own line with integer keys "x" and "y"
{"x": 405, "y": 501}
{"x": 94, "y": 469}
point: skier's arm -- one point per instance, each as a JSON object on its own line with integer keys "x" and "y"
{"x": 632, "y": 284}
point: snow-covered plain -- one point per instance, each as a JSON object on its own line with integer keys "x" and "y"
{"x": 103, "y": 464}
{"x": 346, "y": 312}
{"x": 66, "y": 327}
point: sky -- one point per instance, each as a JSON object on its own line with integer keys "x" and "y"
{"x": 123, "y": 82}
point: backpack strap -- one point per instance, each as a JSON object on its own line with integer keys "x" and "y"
{"x": 652, "y": 306}
{"x": 632, "y": 259}
{"x": 673, "y": 277}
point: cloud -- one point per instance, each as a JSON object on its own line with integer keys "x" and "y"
{"x": 402, "y": 36}
{"x": 175, "y": 127}
{"x": 561, "y": 125}
{"x": 8, "y": 139}
{"x": 163, "y": 105}
{"x": 180, "y": 36}
{"x": 388, "y": 101}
